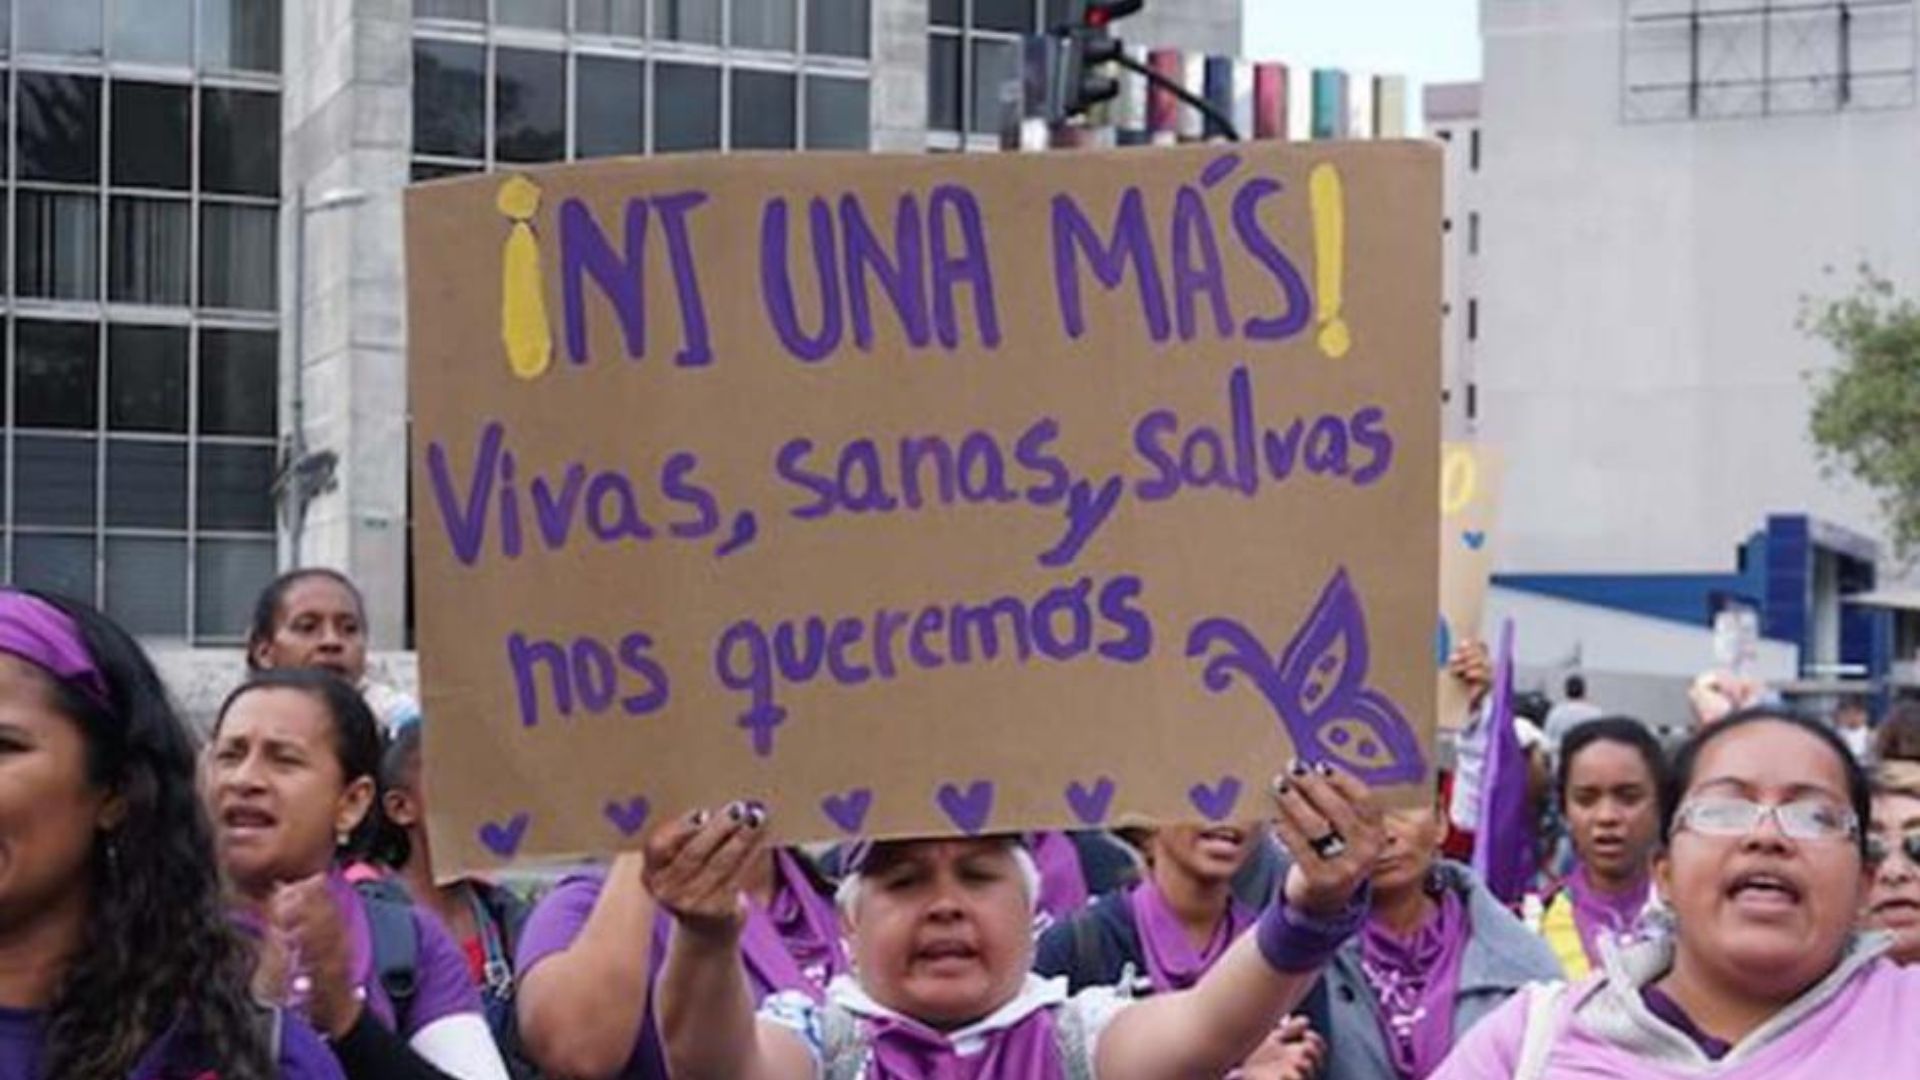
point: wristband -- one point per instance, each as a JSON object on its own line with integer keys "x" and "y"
{"x": 1293, "y": 942}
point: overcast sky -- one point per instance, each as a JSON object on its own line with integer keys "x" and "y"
{"x": 1425, "y": 40}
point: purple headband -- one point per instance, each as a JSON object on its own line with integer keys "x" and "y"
{"x": 48, "y": 638}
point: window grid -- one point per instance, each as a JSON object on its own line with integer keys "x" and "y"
{"x": 191, "y": 313}
{"x": 645, "y": 49}
{"x": 966, "y": 37}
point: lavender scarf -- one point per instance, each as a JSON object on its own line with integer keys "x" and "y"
{"x": 1063, "y": 884}
{"x": 1415, "y": 980}
{"x": 793, "y": 943}
{"x": 1172, "y": 961}
{"x": 1597, "y": 915}
{"x": 907, "y": 1050}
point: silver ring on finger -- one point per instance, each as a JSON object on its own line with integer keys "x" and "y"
{"x": 1330, "y": 846}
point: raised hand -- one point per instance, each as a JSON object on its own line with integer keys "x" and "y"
{"x": 316, "y": 952}
{"x": 694, "y": 866}
{"x": 1473, "y": 666}
{"x": 1330, "y": 823}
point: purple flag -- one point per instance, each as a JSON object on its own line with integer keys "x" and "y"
{"x": 1504, "y": 844}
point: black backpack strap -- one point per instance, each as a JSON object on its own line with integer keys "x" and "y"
{"x": 1089, "y": 959}
{"x": 395, "y": 940}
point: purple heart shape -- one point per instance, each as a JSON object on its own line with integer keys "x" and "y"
{"x": 848, "y": 811}
{"x": 1215, "y": 802}
{"x": 504, "y": 840}
{"x": 1090, "y": 804}
{"x": 628, "y": 816}
{"x": 968, "y": 809}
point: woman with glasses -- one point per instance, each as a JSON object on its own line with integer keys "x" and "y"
{"x": 1893, "y": 846}
{"x": 1764, "y": 868}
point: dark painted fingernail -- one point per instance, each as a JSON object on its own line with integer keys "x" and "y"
{"x": 1280, "y": 786}
{"x": 1323, "y": 769}
{"x": 698, "y": 818}
{"x": 1297, "y": 767}
{"x": 736, "y": 812}
{"x": 756, "y": 815}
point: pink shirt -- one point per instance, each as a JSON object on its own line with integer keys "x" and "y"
{"x": 1867, "y": 1024}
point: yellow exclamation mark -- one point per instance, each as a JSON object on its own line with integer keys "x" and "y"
{"x": 1329, "y": 257}
{"x": 523, "y": 308}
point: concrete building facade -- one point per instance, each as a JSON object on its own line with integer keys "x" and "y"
{"x": 205, "y": 323}
{"x": 1661, "y": 187}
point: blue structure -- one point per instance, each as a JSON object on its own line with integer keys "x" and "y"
{"x": 1796, "y": 572}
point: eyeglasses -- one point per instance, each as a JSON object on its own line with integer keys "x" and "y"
{"x": 1879, "y": 849}
{"x": 1804, "y": 819}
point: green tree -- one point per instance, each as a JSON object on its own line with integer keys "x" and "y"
{"x": 1866, "y": 409}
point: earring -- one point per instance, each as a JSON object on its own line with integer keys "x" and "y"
{"x": 342, "y": 838}
{"x": 112, "y": 844}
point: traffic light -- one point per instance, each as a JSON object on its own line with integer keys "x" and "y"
{"x": 1087, "y": 28}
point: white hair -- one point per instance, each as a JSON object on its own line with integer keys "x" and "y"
{"x": 847, "y": 895}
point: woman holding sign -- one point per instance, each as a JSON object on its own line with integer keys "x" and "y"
{"x": 585, "y": 988}
{"x": 939, "y": 931}
{"x": 1764, "y": 978}
{"x": 291, "y": 780}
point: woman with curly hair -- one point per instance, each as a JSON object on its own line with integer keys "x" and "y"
{"x": 116, "y": 957}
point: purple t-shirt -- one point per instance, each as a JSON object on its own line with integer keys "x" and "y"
{"x": 441, "y": 985}
{"x": 302, "y": 1055}
{"x": 553, "y": 926}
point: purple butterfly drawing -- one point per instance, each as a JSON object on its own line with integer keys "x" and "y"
{"x": 1318, "y": 687}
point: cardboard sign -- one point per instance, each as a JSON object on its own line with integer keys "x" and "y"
{"x": 920, "y": 494}
{"x": 1469, "y": 507}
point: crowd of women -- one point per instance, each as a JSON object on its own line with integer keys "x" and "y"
{"x": 262, "y": 902}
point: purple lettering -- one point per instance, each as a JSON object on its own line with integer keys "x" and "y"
{"x": 1131, "y": 243}
{"x": 465, "y": 520}
{"x": 1193, "y": 235}
{"x": 695, "y": 350}
{"x": 1268, "y": 253}
{"x": 969, "y": 266}
{"x": 903, "y": 276}
{"x": 776, "y": 280}
{"x": 584, "y": 249}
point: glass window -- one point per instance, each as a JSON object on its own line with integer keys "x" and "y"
{"x": 621, "y": 17}
{"x": 237, "y": 267}
{"x": 529, "y": 105}
{"x": 764, "y": 24}
{"x": 55, "y": 564}
{"x": 53, "y": 480}
{"x": 449, "y": 99}
{"x": 235, "y": 487}
{"x": 839, "y": 27}
{"x": 69, "y": 27}
{"x": 147, "y": 378}
{"x": 239, "y": 142}
{"x": 152, "y": 125}
{"x": 58, "y": 254}
{"x": 147, "y": 585}
{"x": 686, "y": 107}
{"x": 146, "y": 484}
{"x": 687, "y": 20}
{"x": 430, "y": 170}
{"x": 228, "y": 574}
{"x": 837, "y": 114}
{"x": 943, "y": 83}
{"x": 1012, "y": 16}
{"x": 995, "y": 63}
{"x": 944, "y": 13}
{"x": 239, "y": 382}
{"x": 149, "y": 250}
{"x": 610, "y": 107}
{"x": 59, "y": 127}
{"x": 538, "y": 14}
{"x": 154, "y": 31}
{"x": 763, "y": 110}
{"x": 465, "y": 10}
{"x": 240, "y": 35}
{"x": 56, "y": 371}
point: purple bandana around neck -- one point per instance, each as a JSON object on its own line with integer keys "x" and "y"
{"x": 1415, "y": 980}
{"x": 794, "y": 942}
{"x": 1597, "y": 915}
{"x": 48, "y": 638}
{"x": 1172, "y": 961}
{"x": 1063, "y": 884}
{"x": 904, "y": 1049}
